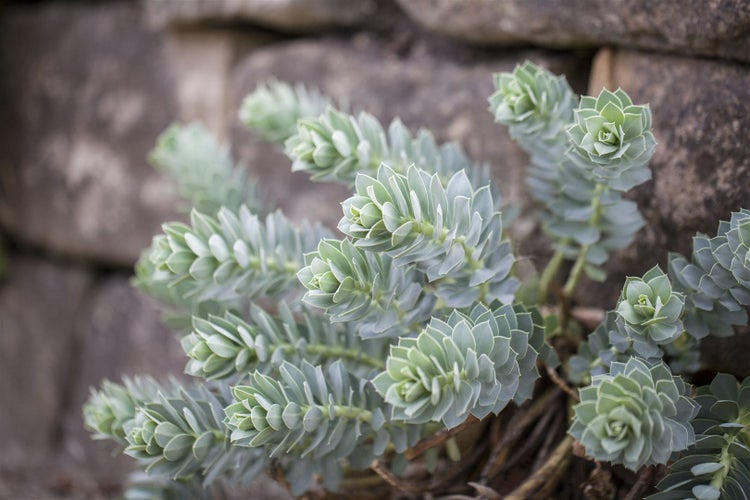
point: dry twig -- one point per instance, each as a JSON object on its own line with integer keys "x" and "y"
{"x": 438, "y": 438}
{"x": 514, "y": 429}
{"x": 562, "y": 384}
{"x": 552, "y": 468}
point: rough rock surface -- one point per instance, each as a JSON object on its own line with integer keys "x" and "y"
{"x": 439, "y": 87}
{"x": 701, "y": 168}
{"x": 287, "y": 15}
{"x": 88, "y": 96}
{"x": 718, "y": 28}
{"x": 39, "y": 310}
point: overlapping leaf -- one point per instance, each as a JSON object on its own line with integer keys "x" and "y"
{"x": 468, "y": 365}
{"x": 714, "y": 280}
{"x": 452, "y": 233}
{"x": 336, "y": 147}
{"x": 718, "y": 465}
{"x": 309, "y": 412}
{"x": 351, "y": 284}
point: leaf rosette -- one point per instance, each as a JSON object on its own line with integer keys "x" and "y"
{"x": 466, "y": 365}
{"x": 613, "y": 137}
{"x": 650, "y": 309}
{"x": 635, "y": 415}
{"x": 533, "y": 102}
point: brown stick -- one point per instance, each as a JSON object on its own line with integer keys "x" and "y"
{"x": 514, "y": 429}
{"x": 438, "y": 438}
{"x": 553, "y": 466}
{"x": 390, "y": 478}
{"x": 562, "y": 384}
{"x": 645, "y": 478}
{"x": 531, "y": 442}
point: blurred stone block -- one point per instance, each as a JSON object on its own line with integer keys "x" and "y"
{"x": 88, "y": 96}
{"x": 706, "y": 28}
{"x": 287, "y": 15}
{"x": 39, "y": 313}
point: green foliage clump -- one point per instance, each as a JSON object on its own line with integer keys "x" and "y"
{"x": 334, "y": 362}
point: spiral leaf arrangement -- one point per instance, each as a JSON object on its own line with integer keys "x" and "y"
{"x": 473, "y": 364}
{"x": 714, "y": 281}
{"x": 233, "y": 255}
{"x": 634, "y": 416}
{"x": 172, "y": 431}
{"x": 315, "y": 414}
{"x": 354, "y": 285}
{"x": 582, "y": 159}
{"x": 221, "y": 347}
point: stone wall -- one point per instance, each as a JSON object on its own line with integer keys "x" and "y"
{"x": 87, "y": 87}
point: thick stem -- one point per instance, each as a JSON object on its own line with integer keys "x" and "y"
{"x": 580, "y": 263}
{"x": 549, "y": 273}
{"x": 717, "y": 481}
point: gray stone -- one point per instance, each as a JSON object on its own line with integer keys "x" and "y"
{"x": 288, "y": 15}
{"x": 39, "y": 309}
{"x": 200, "y": 61}
{"x": 712, "y": 27}
{"x": 439, "y": 87}
{"x": 701, "y": 167}
{"x": 88, "y": 95}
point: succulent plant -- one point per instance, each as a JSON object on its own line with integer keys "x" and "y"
{"x": 714, "y": 279}
{"x": 636, "y": 415}
{"x": 613, "y": 137}
{"x": 738, "y": 239}
{"x": 425, "y": 273}
{"x": 110, "y": 408}
{"x": 206, "y": 176}
{"x": 650, "y": 309}
{"x": 223, "y": 347}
